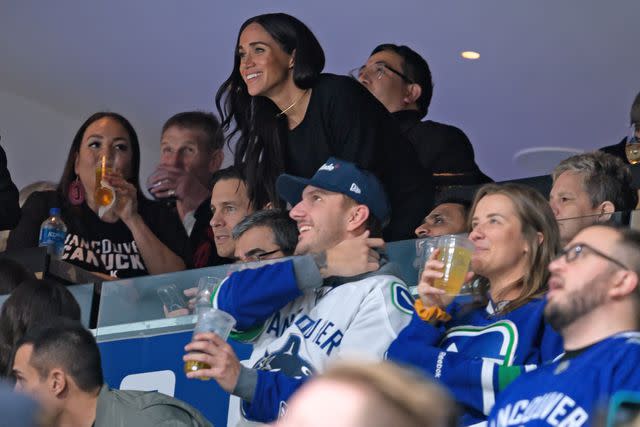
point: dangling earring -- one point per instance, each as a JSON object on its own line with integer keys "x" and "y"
{"x": 76, "y": 192}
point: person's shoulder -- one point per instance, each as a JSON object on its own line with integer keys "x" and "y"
{"x": 155, "y": 408}
{"x": 334, "y": 83}
{"x": 449, "y": 133}
{"x": 44, "y": 199}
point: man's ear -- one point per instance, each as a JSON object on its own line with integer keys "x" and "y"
{"x": 358, "y": 215}
{"x": 216, "y": 160}
{"x": 57, "y": 382}
{"x": 412, "y": 93}
{"x": 605, "y": 209}
{"x": 625, "y": 283}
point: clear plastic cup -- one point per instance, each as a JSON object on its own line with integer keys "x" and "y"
{"x": 455, "y": 253}
{"x": 103, "y": 192}
{"x": 210, "y": 320}
{"x": 206, "y": 286}
{"x": 171, "y": 298}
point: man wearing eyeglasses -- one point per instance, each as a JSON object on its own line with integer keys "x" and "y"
{"x": 401, "y": 80}
{"x": 265, "y": 235}
{"x": 587, "y": 189}
{"x": 633, "y": 136}
{"x": 593, "y": 302}
{"x": 337, "y": 298}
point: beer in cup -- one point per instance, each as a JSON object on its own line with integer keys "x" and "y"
{"x": 103, "y": 194}
{"x": 210, "y": 320}
{"x": 455, "y": 253}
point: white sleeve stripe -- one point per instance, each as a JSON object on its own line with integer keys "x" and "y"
{"x": 488, "y": 393}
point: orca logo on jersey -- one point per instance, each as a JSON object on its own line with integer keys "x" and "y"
{"x": 497, "y": 341}
{"x": 286, "y": 360}
{"x": 402, "y": 298}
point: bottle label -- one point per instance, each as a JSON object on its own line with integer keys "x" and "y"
{"x": 54, "y": 239}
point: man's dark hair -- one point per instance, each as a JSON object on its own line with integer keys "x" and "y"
{"x": 231, "y": 172}
{"x": 605, "y": 178}
{"x": 66, "y": 344}
{"x": 201, "y": 121}
{"x": 12, "y": 273}
{"x": 465, "y": 203}
{"x": 284, "y": 229}
{"x": 416, "y": 68}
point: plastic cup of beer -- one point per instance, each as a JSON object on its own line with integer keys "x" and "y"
{"x": 103, "y": 194}
{"x": 206, "y": 286}
{"x": 424, "y": 248}
{"x": 632, "y": 147}
{"x": 210, "y": 320}
{"x": 455, "y": 253}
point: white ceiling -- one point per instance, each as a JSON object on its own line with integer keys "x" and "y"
{"x": 552, "y": 73}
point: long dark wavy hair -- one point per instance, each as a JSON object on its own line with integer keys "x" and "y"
{"x": 260, "y": 134}
{"x": 69, "y": 174}
{"x": 33, "y": 302}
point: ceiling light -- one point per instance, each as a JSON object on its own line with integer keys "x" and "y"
{"x": 469, "y": 54}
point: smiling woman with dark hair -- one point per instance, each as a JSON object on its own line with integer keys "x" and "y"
{"x": 135, "y": 236}
{"x": 289, "y": 117}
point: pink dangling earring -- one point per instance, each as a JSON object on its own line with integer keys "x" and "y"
{"x": 76, "y": 192}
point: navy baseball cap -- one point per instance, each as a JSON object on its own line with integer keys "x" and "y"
{"x": 340, "y": 176}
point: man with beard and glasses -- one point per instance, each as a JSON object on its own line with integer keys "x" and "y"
{"x": 593, "y": 302}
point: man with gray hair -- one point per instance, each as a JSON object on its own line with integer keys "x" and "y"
{"x": 618, "y": 149}
{"x": 263, "y": 235}
{"x": 588, "y": 188}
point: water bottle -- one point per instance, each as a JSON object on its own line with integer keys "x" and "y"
{"x": 53, "y": 233}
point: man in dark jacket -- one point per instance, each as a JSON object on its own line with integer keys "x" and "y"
{"x": 401, "y": 80}
{"x": 9, "y": 208}
{"x": 618, "y": 149}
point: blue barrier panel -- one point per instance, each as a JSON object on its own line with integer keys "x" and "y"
{"x": 155, "y": 363}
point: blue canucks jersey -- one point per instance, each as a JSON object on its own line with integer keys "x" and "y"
{"x": 569, "y": 392}
{"x": 478, "y": 353}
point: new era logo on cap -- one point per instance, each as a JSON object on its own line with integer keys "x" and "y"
{"x": 343, "y": 177}
{"x": 327, "y": 167}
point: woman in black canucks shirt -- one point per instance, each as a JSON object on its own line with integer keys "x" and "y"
{"x": 288, "y": 117}
{"x": 134, "y": 237}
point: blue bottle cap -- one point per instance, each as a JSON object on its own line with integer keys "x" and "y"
{"x": 54, "y": 211}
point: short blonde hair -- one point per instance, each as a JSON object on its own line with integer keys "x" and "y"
{"x": 399, "y": 397}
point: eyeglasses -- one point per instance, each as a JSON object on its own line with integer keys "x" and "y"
{"x": 574, "y": 252}
{"x": 257, "y": 255}
{"x": 376, "y": 71}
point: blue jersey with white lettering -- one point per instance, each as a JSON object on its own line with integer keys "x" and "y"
{"x": 570, "y": 391}
{"x": 478, "y": 353}
{"x": 295, "y": 334}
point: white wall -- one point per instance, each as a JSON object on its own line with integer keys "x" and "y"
{"x": 36, "y": 139}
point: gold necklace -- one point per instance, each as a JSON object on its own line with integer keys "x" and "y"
{"x": 292, "y": 105}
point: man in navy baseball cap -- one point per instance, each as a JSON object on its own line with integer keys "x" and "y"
{"x": 339, "y": 201}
